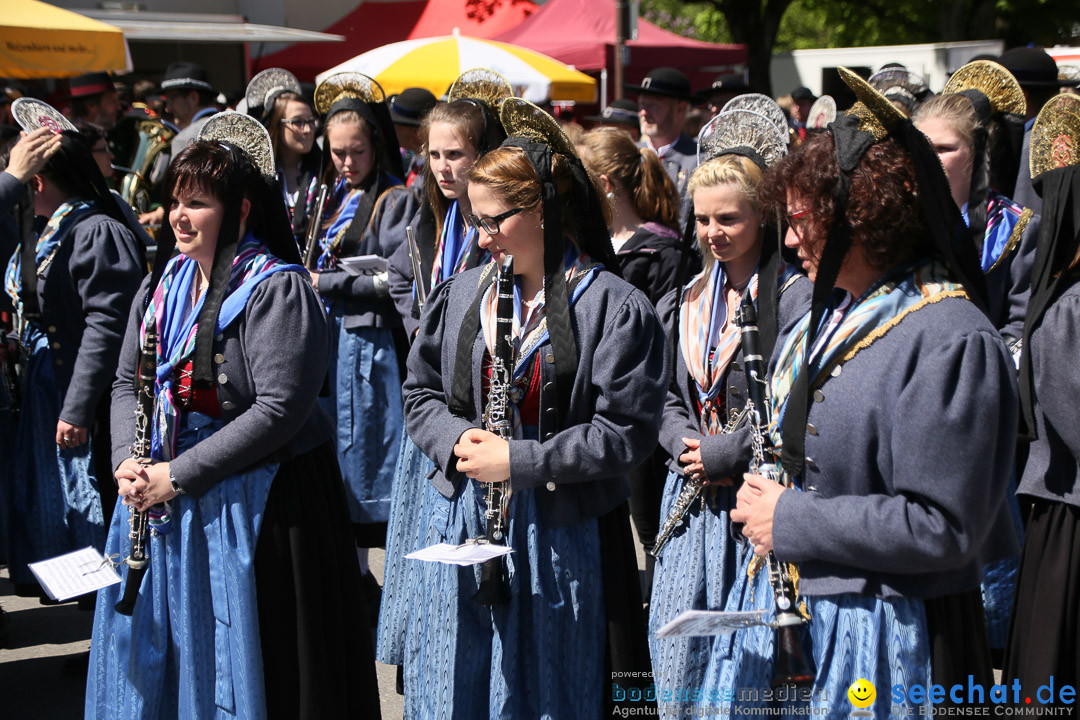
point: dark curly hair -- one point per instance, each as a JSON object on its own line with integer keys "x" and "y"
{"x": 883, "y": 207}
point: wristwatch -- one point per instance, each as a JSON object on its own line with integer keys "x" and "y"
{"x": 175, "y": 486}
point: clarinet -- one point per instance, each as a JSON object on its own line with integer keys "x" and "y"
{"x": 314, "y": 228}
{"x": 139, "y": 521}
{"x": 494, "y": 584}
{"x": 791, "y": 664}
{"x": 691, "y": 490}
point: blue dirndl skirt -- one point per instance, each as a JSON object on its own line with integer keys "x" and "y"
{"x": 411, "y": 498}
{"x": 694, "y": 572}
{"x": 55, "y": 506}
{"x": 365, "y": 400}
{"x": 541, "y": 655}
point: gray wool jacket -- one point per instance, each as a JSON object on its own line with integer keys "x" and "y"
{"x": 268, "y": 367}
{"x": 726, "y": 455}
{"x": 1008, "y": 285}
{"x": 363, "y": 304}
{"x": 84, "y": 296}
{"x": 909, "y": 450}
{"x": 615, "y": 403}
{"x": 1053, "y": 466}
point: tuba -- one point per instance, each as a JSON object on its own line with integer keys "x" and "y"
{"x": 149, "y": 140}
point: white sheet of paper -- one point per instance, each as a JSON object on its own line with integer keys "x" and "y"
{"x": 701, "y": 623}
{"x": 363, "y": 265}
{"x": 74, "y": 574}
{"x": 466, "y": 554}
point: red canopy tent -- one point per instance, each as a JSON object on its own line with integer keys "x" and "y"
{"x": 582, "y": 33}
{"x": 375, "y": 23}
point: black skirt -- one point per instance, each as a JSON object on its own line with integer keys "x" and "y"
{"x": 318, "y": 657}
{"x": 1044, "y": 635}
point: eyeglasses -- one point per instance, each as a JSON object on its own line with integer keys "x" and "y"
{"x": 796, "y": 219}
{"x": 301, "y": 124}
{"x": 490, "y": 225}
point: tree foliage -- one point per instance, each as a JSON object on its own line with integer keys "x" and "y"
{"x": 768, "y": 26}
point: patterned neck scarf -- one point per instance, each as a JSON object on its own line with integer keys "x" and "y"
{"x": 171, "y": 313}
{"x": 530, "y": 323}
{"x": 455, "y": 244}
{"x": 48, "y": 244}
{"x": 1005, "y": 223}
{"x": 709, "y": 340}
{"x": 347, "y": 199}
{"x": 867, "y": 319}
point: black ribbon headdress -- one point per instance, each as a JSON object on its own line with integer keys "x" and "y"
{"x": 997, "y": 99}
{"x": 872, "y": 119}
{"x": 756, "y": 136}
{"x": 537, "y": 134}
{"x": 1055, "y": 172}
{"x": 249, "y": 144}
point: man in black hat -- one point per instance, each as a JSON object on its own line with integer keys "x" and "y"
{"x": 190, "y": 99}
{"x": 663, "y": 100}
{"x": 802, "y": 100}
{"x": 1037, "y": 74}
{"x": 621, "y": 114}
{"x": 722, "y": 90}
{"x": 94, "y": 100}
{"x": 408, "y": 110}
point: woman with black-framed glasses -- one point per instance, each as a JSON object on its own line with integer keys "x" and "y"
{"x": 274, "y": 98}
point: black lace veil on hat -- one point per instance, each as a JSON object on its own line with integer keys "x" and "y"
{"x": 1055, "y": 172}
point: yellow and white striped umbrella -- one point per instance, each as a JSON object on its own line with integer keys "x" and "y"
{"x": 434, "y": 63}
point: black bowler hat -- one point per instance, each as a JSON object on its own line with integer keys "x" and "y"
{"x": 1032, "y": 67}
{"x": 665, "y": 81}
{"x": 411, "y": 105}
{"x": 732, "y": 84}
{"x": 619, "y": 112}
{"x": 94, "y": 83}
{"x": 183, "y": 75}
{"x": 802, "y": 93}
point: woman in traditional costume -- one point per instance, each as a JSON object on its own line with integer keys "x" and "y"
{"x": 249, "y": 607}
{"x": 704, "y": 422}
{"x": 274, "y": 98}
{"x": 71, "y": 281}
{"x": 365, "y": 215}
{"x": 1044, "y": 637}
{"x": 454, "y": 134}
{"x": 587, "y": 388}
{"x": 881, "y": 397}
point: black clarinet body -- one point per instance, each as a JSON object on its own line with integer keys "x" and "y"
{"x": 494, "y": 586}
{"x": 791, "y": 663}
{"x": 139, "y": 521}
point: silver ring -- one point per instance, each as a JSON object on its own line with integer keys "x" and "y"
{"x": 68, "y": 438}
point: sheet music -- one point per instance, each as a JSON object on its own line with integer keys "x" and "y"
{"x": 74, "y": 574}
{"x": 363, "y": 265}
{"x": 702, "y": 623}
{"x": 470, "y": 553}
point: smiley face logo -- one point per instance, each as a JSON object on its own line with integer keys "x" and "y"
{"x": 862, "y": 693}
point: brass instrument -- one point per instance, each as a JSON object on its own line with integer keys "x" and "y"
{"x": 148, "y": 160}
